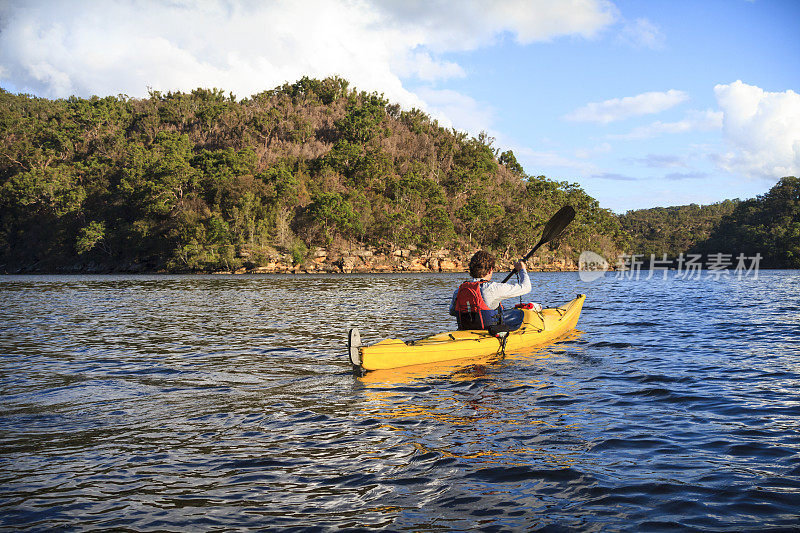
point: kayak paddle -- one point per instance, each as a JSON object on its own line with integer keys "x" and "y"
{"x": 552, "y": 229}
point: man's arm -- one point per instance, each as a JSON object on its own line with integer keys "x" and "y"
{"x": 510, "y": 290}
{"x": 495, "y": 293}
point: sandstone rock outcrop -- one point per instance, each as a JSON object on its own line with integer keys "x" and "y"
{"x": 369, "y": 260}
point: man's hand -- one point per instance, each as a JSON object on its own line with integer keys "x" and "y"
{"x": 519, "y": 265}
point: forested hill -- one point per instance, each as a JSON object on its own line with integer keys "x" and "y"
{"x": 768, "y": 225}
{"x": 673, "y": 230}
{"x": 203, "y": 181}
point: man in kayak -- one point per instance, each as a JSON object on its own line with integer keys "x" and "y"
{"x": 476, "y": 303}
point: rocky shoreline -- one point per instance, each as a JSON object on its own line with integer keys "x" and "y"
{"x": 366, "y": 261}
{"x": 321, "y": 261}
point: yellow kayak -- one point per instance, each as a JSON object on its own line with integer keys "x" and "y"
{"x": 537, "y": 328}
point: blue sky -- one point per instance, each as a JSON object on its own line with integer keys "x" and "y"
{"x": 642, "y": 103}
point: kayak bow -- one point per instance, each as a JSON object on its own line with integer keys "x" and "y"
{"x": 537, "y": 328}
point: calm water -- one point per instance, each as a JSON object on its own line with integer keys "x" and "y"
{"x": 172, "y": 403}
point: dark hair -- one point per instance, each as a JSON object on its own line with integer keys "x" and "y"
{"x": 480, "y": 264}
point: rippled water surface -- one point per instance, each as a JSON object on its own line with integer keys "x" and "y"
{"x": 175, "y": 402}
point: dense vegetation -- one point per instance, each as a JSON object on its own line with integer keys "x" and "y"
{"x": 203, "y": 181}
{"x": 673, "y": 230}
{"x": 768, "y": 225}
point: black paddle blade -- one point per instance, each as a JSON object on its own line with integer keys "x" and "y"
{"x": 558, "y": 223}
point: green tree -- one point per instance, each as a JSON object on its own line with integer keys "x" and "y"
{"x": 436, "y": 228}
{"x": 335, "y": 214}
{"x": 480, "y": 218}
{"x": 157, "y": 177}
{"x": 90, "y": 236}
{"x": 53, "y": 189}
{"x": 508, "y": 160}
{"x": 364, "y": 115}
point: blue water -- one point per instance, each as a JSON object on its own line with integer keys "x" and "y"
{"x": 145, "y": 403}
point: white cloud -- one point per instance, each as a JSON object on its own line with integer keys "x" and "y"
{"x": 453, "y": 109}
{"x": 693, "y": 121}
{"x": 642, "y": 33}
{"x": 535, "y": 161}
{"x": 630, "y": 106}
{"x": 659, "y": 161}
{"x": 586, "y": 153}
{"x": 680, "y": 176}
{"x": 613, "y": 176}
{"x": 762, "y": 129}
{"x": 469, "y": 24}
{"x": 672, "y": 176}
{"x": 421, "y": 65}
{"x": 85, "y": 47}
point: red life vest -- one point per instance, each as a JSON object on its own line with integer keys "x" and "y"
{"x": 471, "y": 309}
{"x": 469, "y": 297}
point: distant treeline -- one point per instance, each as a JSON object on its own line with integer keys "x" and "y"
{"x": 203, "y": 181}
{"x": 768, "y": 225}
{"x": 673, "y": 230}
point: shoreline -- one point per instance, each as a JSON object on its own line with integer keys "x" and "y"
{"x": 322, "y": 261}
{"x": 258, "y": 271}
{"x": 318, "y": 261}
{"x": 294, "y": 272}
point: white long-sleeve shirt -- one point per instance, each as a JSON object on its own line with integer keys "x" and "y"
{"x": 493, "y": 292}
